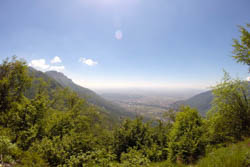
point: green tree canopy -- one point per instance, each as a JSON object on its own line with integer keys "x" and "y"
{"x": 242, "y": 47}
{"x": 132, "y": 134}
{"x": 186, "y": 143}
{"x": 230, "y": 113}
{"x": 14, "y": 80}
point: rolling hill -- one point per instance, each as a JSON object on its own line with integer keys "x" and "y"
{"x": 201, "y": 101}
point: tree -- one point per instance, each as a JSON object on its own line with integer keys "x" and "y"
{"x": 242, "y": 48}
{"x": 160, "y": 136}
{"x": 14, "y": 80}
{"x": 27, "y": 121}
{"x": 132, "y": 134}
{"x": 229, "y": 117}
{"x": 186, "y": 143}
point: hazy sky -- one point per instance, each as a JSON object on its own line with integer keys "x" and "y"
{"x": 126, "y": 43}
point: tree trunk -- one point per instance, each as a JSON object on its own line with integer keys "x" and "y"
{"x": 1, "y": 159}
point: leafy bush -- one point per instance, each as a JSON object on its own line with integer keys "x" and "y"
{"x": 158, "y": 151}
{"x": 7, "y": 150}
{"x": 132, "y": 134}
{"x": 155, "y": 152}
{"x": 100, "y": 158}
{"x": 134, "y": 158}
{"x": 31, "y": 159}
{"x": 186, "y": 143}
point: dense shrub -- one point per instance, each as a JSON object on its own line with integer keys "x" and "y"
{"x": 8, "y": 150}
{"x": 131, "y": 134}
{"x": 186, "y": 143}
{"x": 31, "y": 159}
{"x": 100, "y": 158}
{"x": 134, "y": 158}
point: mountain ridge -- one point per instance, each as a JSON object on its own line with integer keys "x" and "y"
{"x": 89, "y": 95}
{"x": 201, "y": 101}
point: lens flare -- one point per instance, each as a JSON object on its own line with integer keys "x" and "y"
{"x": 118, "y": 35}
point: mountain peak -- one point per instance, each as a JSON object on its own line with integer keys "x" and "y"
{"x": 56, "y": 73}
{"x": 60, "y": 77}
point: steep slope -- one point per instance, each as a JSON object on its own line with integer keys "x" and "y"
{"x": 201, "y": 101}
{"x": 89, "y": 95}
{"x": 36, "y": 76}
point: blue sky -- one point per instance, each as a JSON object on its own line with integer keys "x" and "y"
{"x": 126, "y": 43}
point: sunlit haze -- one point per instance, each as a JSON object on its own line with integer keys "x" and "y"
{"x": 104, "y": 44}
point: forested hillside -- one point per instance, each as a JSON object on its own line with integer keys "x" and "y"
{"x": 89, "y": 95}
{"x": 201, "y": 101}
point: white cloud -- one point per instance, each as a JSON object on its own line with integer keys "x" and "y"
{"x": 39, "y": 64}
{"x": 88, "y": 62}
{"x": 56, "y": 68}
{"x": 56, "y": 59}
{"x": 248, "y": 78}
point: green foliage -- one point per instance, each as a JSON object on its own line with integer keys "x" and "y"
{"x": 27, "y": 122}
{"x": 7, "y": 150}
{"x": 100, "y": 158}
{"x": 131, "y": 134}
{"x": 58, "y": 149}
{"x": 242, "y": 47}
{"x": 167, "y": 164}
{"x": 134, "y": 158}
{"x": 21, "y": 115}
{"x": 236, "y": 155}
{"x": 14, "y": 80}
{"x": 31, "y": 159}
{"x": 53, "y": 125}
{"x": 158, "y": 151}
{"x": 186, "y": 143}
{"x": 229, "y": 118}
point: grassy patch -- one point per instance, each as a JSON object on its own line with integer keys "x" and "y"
{"x": 236, "y": 155}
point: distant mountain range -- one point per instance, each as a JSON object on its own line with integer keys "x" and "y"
{"x": 202, "y": 102}
{"x": 57, "y": 79}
